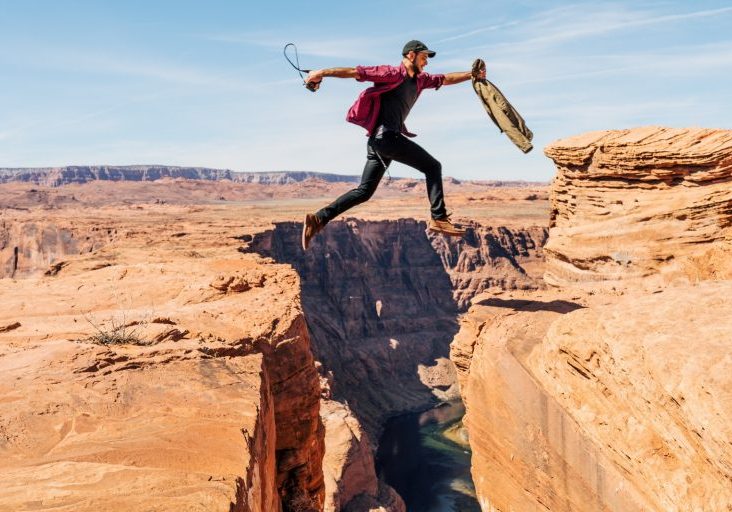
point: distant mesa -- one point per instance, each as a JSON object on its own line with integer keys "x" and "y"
{"x": 57, "y": 176}
{"x": 79, "y": 174}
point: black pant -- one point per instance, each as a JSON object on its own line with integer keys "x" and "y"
{"x": 390, "y": 146}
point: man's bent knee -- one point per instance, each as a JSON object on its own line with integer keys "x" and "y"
{"x": 435, "y": 169}
{"x": 364, "y": 193}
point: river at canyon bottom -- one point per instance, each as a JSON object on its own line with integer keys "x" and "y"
{"x": 426, "y": 458}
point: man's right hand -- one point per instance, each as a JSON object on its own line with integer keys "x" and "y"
{"x": 312, "y": 81}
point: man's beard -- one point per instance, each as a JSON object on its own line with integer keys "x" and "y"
{"x": 416, "y": 67}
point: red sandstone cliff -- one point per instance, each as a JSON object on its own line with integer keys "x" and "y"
{"x": 382, "y": 300}
{"x": 216, "y": 407}
{"x": 630, "y": 204}
{"x": 611, "y": 391}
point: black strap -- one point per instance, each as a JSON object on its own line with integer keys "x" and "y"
{"x": 311, "y": 86}
{"x": 297, "y": 59}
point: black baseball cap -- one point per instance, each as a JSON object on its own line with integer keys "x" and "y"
{"x": 417, "y": 46}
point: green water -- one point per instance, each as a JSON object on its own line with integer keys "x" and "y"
{"x": 425, "y": 457}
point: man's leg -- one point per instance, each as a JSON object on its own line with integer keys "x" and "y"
{"x": 373, "y": 171}
{"x": 399, "y": 148}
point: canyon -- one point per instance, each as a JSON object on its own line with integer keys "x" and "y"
{"x": 585, "y": 327}
{"x": 291, "y": 370}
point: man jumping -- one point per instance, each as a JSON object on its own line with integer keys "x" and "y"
{"x": 382, "y": 110}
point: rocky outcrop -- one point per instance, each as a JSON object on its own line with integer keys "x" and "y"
{"x": 30, "y": 247}
{"x": 607, "y": 392}
{"x": 599, "y": 405}
{"x": 158, "y": 379}
{"x": 492, "y": 257}
{"x": 635, "y": 203}
{"x": 350, "y": 476}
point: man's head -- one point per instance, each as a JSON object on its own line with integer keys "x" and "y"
{"x": 417, "y": 53}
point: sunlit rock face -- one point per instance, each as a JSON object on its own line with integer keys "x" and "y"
{"x": 147, "y": 374}
{"x": 610, "y": 390}
{"x": 629, "y": 204}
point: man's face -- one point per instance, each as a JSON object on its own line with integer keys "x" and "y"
{"x": 421, "y": 60}
{"x": 418, "y": 60}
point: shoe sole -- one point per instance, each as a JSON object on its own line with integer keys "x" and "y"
{"x": 448, "y": 233}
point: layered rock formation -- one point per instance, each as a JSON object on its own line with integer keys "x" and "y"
{"x": 612, "y": 398}
{"x": 379, "y": 308}
{"x": 634, "y": 203}
{"x": 165, "y": 371}
{"x": 599, "y": 405}
{"x": 492, "y": 257}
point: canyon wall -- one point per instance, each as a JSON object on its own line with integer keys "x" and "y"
{"x": 644, "y": 203}
{"x": 611, "y": 390}
{"x": 382, "y": 301}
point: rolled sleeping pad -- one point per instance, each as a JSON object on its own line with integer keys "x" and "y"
{"x": 507, "y": 118}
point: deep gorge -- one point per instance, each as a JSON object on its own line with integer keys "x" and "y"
{"x": 382, "y": 302}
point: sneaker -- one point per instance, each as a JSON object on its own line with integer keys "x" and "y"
{"x": 445, "y": 227}
{"x": 310, "y": 227}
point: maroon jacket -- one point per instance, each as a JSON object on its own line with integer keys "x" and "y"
{"x": 365, "y": 111}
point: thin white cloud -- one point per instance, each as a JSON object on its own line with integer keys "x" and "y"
{"x": 86, "y": 60}
{"x": 581, "y": 21}
{"x": 683, "y": 61}
{"x": 336, "y": 48}
{"x": 482, "y": 30}
{"x": 611, "y": 21}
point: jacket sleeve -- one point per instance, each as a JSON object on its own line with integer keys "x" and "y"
{"x": 378, "y": 74}
{"x": 432, "y": 81}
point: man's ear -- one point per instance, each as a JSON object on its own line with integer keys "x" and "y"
{"x": 411, "y": 55}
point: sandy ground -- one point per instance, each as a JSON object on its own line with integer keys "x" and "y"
{"x": 263, "y": 204}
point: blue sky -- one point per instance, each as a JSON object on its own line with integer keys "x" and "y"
{"x": 205, "y": 83}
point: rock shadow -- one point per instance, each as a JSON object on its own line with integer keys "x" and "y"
{"x": 556, "y": 306}
{"x": 380, "y": 310}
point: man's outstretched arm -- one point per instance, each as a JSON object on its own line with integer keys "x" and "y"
{"x": 461, "y": 76}
{"x": 317, "y": 75}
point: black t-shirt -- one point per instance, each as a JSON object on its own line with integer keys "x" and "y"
{"x": 396, "y": 104}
